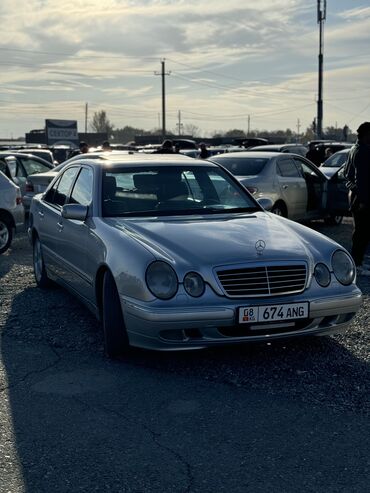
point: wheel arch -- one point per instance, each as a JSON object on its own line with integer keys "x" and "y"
{"x": 280, "y": 203}
{"x": 99, "y": 286}
{"x": 7, "y": 216}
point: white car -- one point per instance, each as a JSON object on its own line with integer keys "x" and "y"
{"x": 11, "y": 211}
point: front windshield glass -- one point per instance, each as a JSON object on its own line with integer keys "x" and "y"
{"x": 242, "y": 166}
{"x": 172, "y": 190}
{"x": 336, "y": 160}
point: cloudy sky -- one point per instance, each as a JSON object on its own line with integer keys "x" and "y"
{"x": 227, "y": 60}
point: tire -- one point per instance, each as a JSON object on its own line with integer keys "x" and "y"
{"x": 279, "y": 210}
{"x": 115, "y": 336}
{"x": 6, "y": 234}
{"x": 333, "y": 220}
{"x": 39, "y": 270}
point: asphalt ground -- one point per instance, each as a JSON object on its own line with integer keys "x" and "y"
{"x": 281, "y": 417}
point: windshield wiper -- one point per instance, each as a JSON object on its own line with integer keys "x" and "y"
{"x": 185, "y": 212}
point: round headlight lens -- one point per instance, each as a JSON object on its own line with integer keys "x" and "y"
{"x": 322, "y": 275}
{"x": 161, "y": 280}
{"x": 343, "y": 267}
{"x": 194, "y": 284}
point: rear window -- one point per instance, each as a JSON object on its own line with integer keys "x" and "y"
{"x": 242, "y": 166}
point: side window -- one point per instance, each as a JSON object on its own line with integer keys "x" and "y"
{"x": 32, "y": 166}
{"x": 49, "y": 196}
{"x": 62, "y": 188}
{"x": 306, "y": 169}
{"x": 287, "y": 168}
{"x": 83, "y": 188}
{"x": 13, "y": 167}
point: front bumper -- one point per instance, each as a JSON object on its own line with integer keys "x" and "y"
{"x": 196, "y": 327}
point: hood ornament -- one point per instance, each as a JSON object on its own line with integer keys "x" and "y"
{"x": 260, "y": 246}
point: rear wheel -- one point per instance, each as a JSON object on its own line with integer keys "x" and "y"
{"x": 115, "y": 336}
{"x": 6, "y": 234}
{"x": 39, "y": 270}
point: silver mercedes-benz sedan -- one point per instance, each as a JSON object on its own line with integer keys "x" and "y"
{"x": 172, "y": 253}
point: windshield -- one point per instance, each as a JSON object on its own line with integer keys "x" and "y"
{"x": 242, "y": 166}
{"x": 172, "y": 190}
{"x": 336, "y": 160}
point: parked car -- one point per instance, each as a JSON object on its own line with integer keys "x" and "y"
{"x": 334, "y": 147}
{"x": 38, "y": 183}
{"x": 334, "y": 162}
{"x": 174, "y": 253}
{"x": 19, "y": 167}
{"x": 11, "y": 211}
{"x": 297, "y": 188}
{"x": 291, "y": 148}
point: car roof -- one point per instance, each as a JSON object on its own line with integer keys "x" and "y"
{"x": 277, "y": 146}
{"x": 143, "y": 160}
{"x": 251, "y": 154}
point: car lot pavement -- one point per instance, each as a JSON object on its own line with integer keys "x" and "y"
{"x": 282, "y": 417}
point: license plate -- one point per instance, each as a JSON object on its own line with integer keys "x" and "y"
{"x": 272, "y": 313}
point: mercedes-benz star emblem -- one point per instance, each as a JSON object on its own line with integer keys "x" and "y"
{"x": 260, "y": 246}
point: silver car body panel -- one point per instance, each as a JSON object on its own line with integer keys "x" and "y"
{"x": 9, "y": 192}
{"x": 76, "y": 251}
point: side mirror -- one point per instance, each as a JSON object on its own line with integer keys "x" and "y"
{"x": 266, "y": 203}
{"x": 75, "y": 211}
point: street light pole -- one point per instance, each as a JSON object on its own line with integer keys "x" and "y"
{"x": 321, "y": 16}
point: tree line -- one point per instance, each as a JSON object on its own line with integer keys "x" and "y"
{"x": 101, "y": 123}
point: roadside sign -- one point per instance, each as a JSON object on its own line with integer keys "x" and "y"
{"x": 61, "y": 132}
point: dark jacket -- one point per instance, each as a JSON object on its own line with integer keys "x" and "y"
{"x": 357, "y": 172}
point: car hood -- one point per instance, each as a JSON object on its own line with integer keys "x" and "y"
{"x": 216, "y": 240}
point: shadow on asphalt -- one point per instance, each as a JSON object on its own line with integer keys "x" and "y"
{"x": 83, "y": 423}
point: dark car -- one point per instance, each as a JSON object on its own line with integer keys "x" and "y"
{"x": 292, "y": 148}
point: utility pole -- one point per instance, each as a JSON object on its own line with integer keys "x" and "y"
{"x": 249, "y": 125}
{"x": 179, "y": 124}
{"x": 298, "y": 129}
{"x": 163, "y": 74}
{"x": 321, "y": 16}
{"x": 86, "y": 110}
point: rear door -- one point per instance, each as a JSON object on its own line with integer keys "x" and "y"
{"x": 292, "y": 187}
{"x": 49, "y": 217}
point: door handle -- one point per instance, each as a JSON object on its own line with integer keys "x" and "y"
{"x": 41, "y": 214}
{"x": 60, "y": 227}
{"x": 285, "y": 187}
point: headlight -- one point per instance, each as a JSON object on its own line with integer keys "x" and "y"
{"x": 194, "y": 284}
{"x": 161, "y": 280}
{"x": 343, "y": 267}
{"x": 322, "y": 275}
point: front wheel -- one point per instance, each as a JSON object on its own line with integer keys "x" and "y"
{"x": 334, "y": 220}
{"x": 279, "y": 210}
{"x": 39, "y": 270}
{"x": 115, "y": 336}
{"x": 6, "y": 234}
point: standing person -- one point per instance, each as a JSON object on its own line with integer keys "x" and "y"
{"x": 357, "y": 172}
{"x": 204, "y": 153}
{"x": 106, "y": 146}
{"x": 166, "y": 148}
{"x": 313, "y": 154}
{"x": 83, "y": 148}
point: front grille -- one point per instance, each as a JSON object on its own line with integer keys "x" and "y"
{"x": 266, "y": 280}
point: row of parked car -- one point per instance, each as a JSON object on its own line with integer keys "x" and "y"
{"x": 296, "y": 188}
